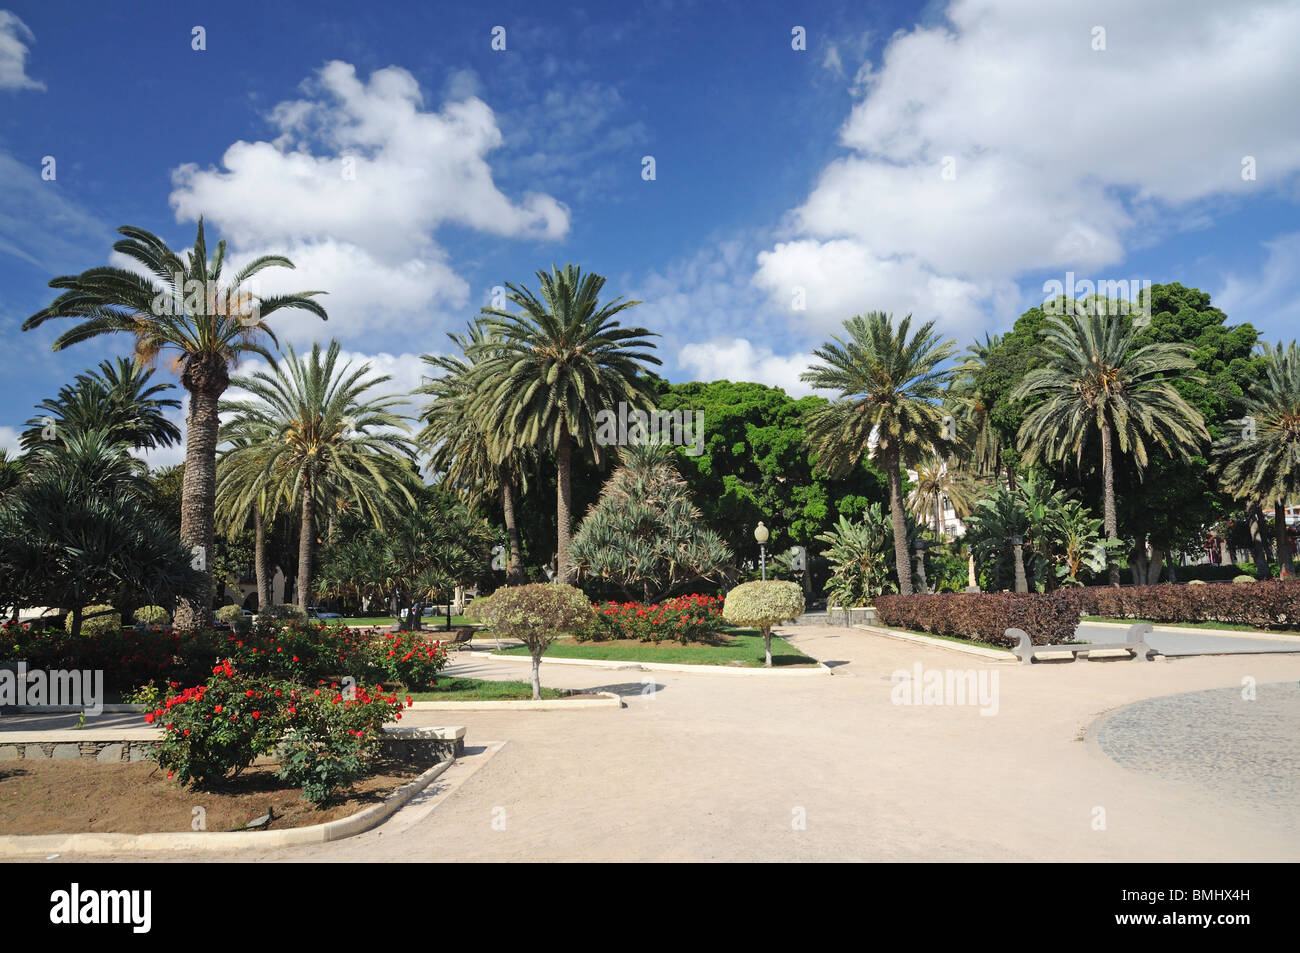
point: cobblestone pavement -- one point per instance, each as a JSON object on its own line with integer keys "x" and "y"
{"x": 1219, "y": 742}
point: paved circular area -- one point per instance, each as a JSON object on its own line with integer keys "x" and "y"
{"x": 1221, "y": 742}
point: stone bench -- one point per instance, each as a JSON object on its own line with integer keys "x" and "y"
{"x": 1135, "y": 642}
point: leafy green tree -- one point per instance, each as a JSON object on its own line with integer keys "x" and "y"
{"x": 184, "y": 307}
{"x": 891, "y": 388}
{"x": 556, "y": 365}
{"x": 1094, "y": 376}
{"x": 752, "y": 465}
{"x": 316, "y": 432}
{"x": 1260, "y": 461}
{"x": 644, "y": 534}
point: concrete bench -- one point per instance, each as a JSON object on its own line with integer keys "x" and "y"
{"x": 1135, "y": 642}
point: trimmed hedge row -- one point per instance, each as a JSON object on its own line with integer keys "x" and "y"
{"x": 1273, "y": 604}
{"x": 1049, "y": 618}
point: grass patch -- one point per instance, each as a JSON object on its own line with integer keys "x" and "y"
{"x": 481, "y": 690}
{"x": 734, "y": 646}
{"x": 950, "y": 638}
{"x": 1221, "y": 626}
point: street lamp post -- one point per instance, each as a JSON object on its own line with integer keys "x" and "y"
{"x": 760, "y": 535}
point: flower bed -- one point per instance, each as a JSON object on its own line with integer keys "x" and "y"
{"x": 693, "y": 618}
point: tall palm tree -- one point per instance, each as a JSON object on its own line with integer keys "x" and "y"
{"x": 118, "y": 399}
{"x": 981, "y": 446}
{"x": 470, "y": 450}
{"x": 244, "y": 488}
{"x": 317, "y": 435}
{"x": 891, "y": 390}
{"x": 1092, "y": 377}
{"x": 558, "y": 363}
{"x": 1260, "y": 459}
{"x": 937, "y": 481}
{"x": 179, "y": 306}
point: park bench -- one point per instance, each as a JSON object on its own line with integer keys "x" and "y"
{"x": 1134, "y": 642}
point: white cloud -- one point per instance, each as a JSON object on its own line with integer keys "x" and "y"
{"x": 354, "y": 188}
{"x": 9, "y": 440}
{"x": 1063, "y": 156}
{"x": 737, "y": 359}
{"x": 14, "y": 40}
{"x": 1268, "y": 300}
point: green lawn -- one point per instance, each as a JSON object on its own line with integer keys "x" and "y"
{"x": 743, "y": 646}
{"x": 477, "y": 689}
{"x": 1223, "y": 626}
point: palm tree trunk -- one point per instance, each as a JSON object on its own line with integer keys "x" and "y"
{"x": 259, "y": 559}
{"x": 1283, "y": 539}
{"x": 1256, "y": 518}
{"x": 563, "y": 504}
{"x": 515, "y": 564}
{"x": 205, "y": 381}
{"x": 902, "y": 562}
{"x": 1109, "y": 519}
{"x": 306, "y": 536}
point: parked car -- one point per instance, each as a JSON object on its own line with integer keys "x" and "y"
{"x": 320, "y": 612}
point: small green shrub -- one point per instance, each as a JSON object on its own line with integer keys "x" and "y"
{"x": 105, "y": 624}
{"x": 536, "y": 614}
{"x": 281, "y": 612}
{"x": 1196, "y": 582}
{"x": 151, "y": 615}
{"x": 230, "y": 613}
{"x": 1244, "y": 579}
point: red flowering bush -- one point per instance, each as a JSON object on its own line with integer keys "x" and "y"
{"x": 692, "y": 618}
{"x": 332, "y": 738}
{"x": 215, "y": 730}
{"x": 305, "y": 652}
{"x": 409, "y": 659}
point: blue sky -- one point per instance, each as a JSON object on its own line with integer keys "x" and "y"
{"x": 944, "y": 160}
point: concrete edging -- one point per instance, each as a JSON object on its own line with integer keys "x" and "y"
{"x": 604, "y": 700}
{"x": 992, "y": 655}
{"x": 740, "y": 670}
{"x": 1192, "y": 630}
{"x": 18, "y": 845}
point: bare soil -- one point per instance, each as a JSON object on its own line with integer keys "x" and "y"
{"x": 41, "y": 796}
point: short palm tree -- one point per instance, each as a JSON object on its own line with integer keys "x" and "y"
{"x": 891, "y": 389}
{"x": 474, "y": 456}
{"x": 1259, "y": 460}
{"x": 179, "y": 306}
{"x": 1092, "y": 377}
{"x": 980, "y": 444}
{"x": 244, "y": 489}
{"x": 315, "y": 433}
{"x": 558, "y": 363}
{"x": 116, "y": 398}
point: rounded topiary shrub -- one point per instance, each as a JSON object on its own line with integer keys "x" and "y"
{"x": 230, "y": 613}
{"x": 1244, "y": 578}
{"x": 151, "y": 615}
{"x": 761, "y": 605}
{"x": 535, "y": 614}
{"x": 100, "y": 624}
{"x": 1196, "y": 582}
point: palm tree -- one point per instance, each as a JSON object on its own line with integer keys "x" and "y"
{"x": 936, "y": 481}
{"x": 980, "y": 441}
{"x": 117, "y": 399}
{"x": 1093, "y": 377}
{"x": 180, "y": 306}
{"x": 473, "y": 455}
{"x": 316, "y": 436}
{"x": 890, "y": 391}
{"x": 244, "y": 487}
{"x": 1260, "y": 460}
{"x": 557, "y": 365}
